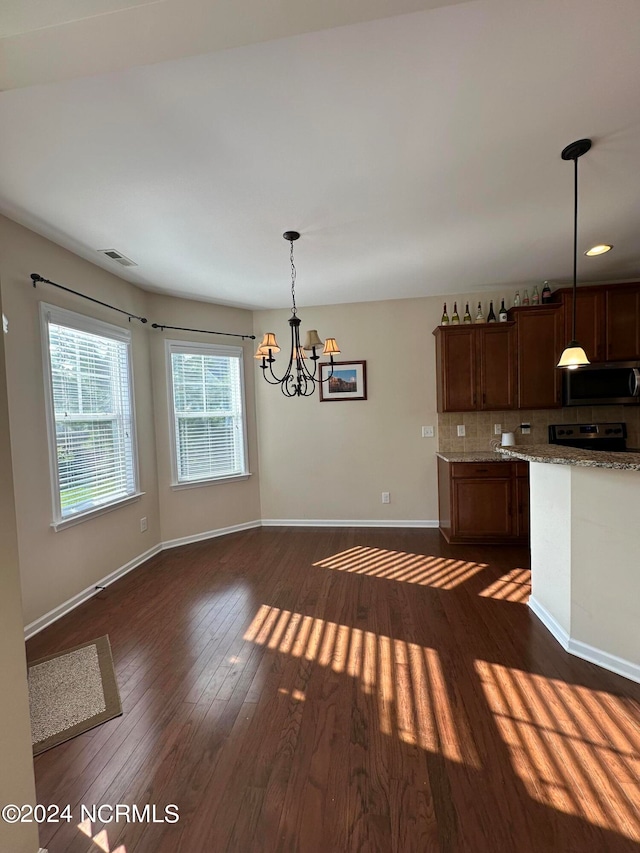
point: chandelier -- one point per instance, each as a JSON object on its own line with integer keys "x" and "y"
{"x": 299, "y": 378}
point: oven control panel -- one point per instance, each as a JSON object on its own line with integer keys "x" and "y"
{"x": 559, "y": 433}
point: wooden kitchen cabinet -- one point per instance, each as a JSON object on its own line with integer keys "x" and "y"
{"x": 483, "y": 501}
{"x": 590, "y": 321}
{"x": 476, "y": 367}
{"x": 622, "y": 323}
{"x": 539, "y": 343}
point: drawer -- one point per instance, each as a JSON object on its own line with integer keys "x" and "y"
{"x": 472, "y": 470}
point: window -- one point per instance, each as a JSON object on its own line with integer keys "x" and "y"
{"x": 89, "y": 413}
{"x": 207, "y": 412}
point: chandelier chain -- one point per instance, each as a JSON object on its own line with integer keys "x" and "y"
{"x": 294, "y": 310}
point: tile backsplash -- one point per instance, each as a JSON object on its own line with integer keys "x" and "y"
{"x": 479, "y": 425}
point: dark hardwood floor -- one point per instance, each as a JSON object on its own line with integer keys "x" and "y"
{"x": 343, "y": 690}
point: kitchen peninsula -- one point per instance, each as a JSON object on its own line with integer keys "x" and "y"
{"x": 585, "y": 551}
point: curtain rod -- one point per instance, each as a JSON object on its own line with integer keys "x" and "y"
{"x": 36, "y": 277}
{"x": 162, "y": 327}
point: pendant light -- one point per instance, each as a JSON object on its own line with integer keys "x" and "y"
{"x": 573, "y": 355}
{"x": 299, "y": 379}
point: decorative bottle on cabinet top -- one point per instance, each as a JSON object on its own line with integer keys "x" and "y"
{"x": 525, "y": 301}
{"x": 455, "y": 317}
{"x": 467, "y": 316}
{"x": 445, "y": 317}
{"x": 491, "y": 318}
{"x": 546, "y": 292}
{"x": 502, "y": 316}
{"x": 516, "y": 300}
{"x": 536, "y": 296}
{"x": 479, "y": 314}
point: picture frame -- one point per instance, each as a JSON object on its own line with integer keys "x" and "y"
{"x": 348, "y": 381}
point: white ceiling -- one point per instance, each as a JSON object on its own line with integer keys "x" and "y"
{"x": 418, "y": 154}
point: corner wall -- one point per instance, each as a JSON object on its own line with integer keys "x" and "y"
{"x": 16, "y": 766}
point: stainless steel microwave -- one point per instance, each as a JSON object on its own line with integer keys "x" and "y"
{"x": 613, "y": 383}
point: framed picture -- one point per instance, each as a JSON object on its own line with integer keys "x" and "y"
{"x": 348, "y": 381}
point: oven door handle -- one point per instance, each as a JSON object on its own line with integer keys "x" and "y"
{"x": 634, "y": 382}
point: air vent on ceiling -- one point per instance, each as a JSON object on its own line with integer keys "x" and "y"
{"x": 118, "y": 257}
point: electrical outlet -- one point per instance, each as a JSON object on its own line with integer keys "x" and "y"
{"x": 525, "y": 429}
{"x": 497, "y": 429}
{"x": 385, "y": 498}
{"x": 143, "y": 524}
{"x": 461, "y": 431}
{"x": 427, "y": 432}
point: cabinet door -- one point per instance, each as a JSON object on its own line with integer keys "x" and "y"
{"x": 522, "y": 503}
{"x": 482, "y": 508}
{"x": 590, "y": 322}
{"x": 623, "y": 323}
{"x": 540, "y": 343}
{"x": 456, "y": 369}
{"x": 496, "y": 366}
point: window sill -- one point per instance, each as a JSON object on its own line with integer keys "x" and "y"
{"x": 92, "y": 513}
{"x": 194, "y": 484}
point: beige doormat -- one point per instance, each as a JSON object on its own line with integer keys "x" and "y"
{"x": 71, "y": 692}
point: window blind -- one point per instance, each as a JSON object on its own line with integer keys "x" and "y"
{"x": 92, "y": 417}
{"x": 208, "y": 412}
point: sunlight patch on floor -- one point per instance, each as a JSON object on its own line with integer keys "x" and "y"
{"x": 514, "y": 586}
{"x": 100, "y": 839}
{"x": 421, "y": 569}
{"x": 576, "y": 750}
{"x": 405, "y": 681}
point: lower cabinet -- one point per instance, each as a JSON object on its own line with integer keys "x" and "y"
{"x": 483, "y": 501}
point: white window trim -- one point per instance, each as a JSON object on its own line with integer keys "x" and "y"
{"x": 172, "y": 346}
{"x": 83, "y": 323}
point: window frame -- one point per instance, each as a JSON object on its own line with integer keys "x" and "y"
{"x": 82, "y": 323}
{"x": 191, "y": 348}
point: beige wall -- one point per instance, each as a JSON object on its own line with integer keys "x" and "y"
{"x": 16, "y": 764}
{"x": 332, "y": 460}
{"x": 54, "y": 567}
{"x": 191, "y": 511}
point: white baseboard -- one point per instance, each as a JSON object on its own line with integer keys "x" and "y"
{"x": 210, "y": 534}
{"x": 613, "y": 663}
{"x": 606, "y": 660}
{"x": 550, "y": 623}
{"x": 76, "y": 600}
{"x": 341, "y": 522}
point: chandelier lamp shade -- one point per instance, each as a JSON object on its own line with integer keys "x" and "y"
{"x": 300, "y": 377}
{"x": 573, "y": 355}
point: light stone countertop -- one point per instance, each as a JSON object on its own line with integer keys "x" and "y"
{"x": 557, "y": 455}
{"x": 471, "y": 456}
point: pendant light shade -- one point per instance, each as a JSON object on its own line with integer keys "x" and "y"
{"x": 573, "y": 355}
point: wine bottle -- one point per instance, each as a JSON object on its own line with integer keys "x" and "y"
{"x": 516, "y": 301}
{"x": 455, "y": 317}
{"x": 536, "y": 296}
{"x": 491, "y": 318}
{"x": 445, "y": 317}
{"x": 502, "y": 316}
{"x": 467, "y": 316}
{"x": 546, "y": 292}
{"x": 525, "y": 301}
{"x": 479, "y": 315}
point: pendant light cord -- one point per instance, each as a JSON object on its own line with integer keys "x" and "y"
{"x": 575, "y": 247}
{"x": 294, "y": 310}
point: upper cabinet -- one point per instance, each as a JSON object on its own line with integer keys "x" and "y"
{"x": 476, "y": 367}
{"x": 622, "y": 323}
{"x": 590, "y": 323}
{"x": 607, "y": 320}
{"x": 539, "y": 343}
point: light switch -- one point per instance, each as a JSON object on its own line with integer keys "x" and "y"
{"x": 427, "y": 432}
{"x": 461, "y": 431}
